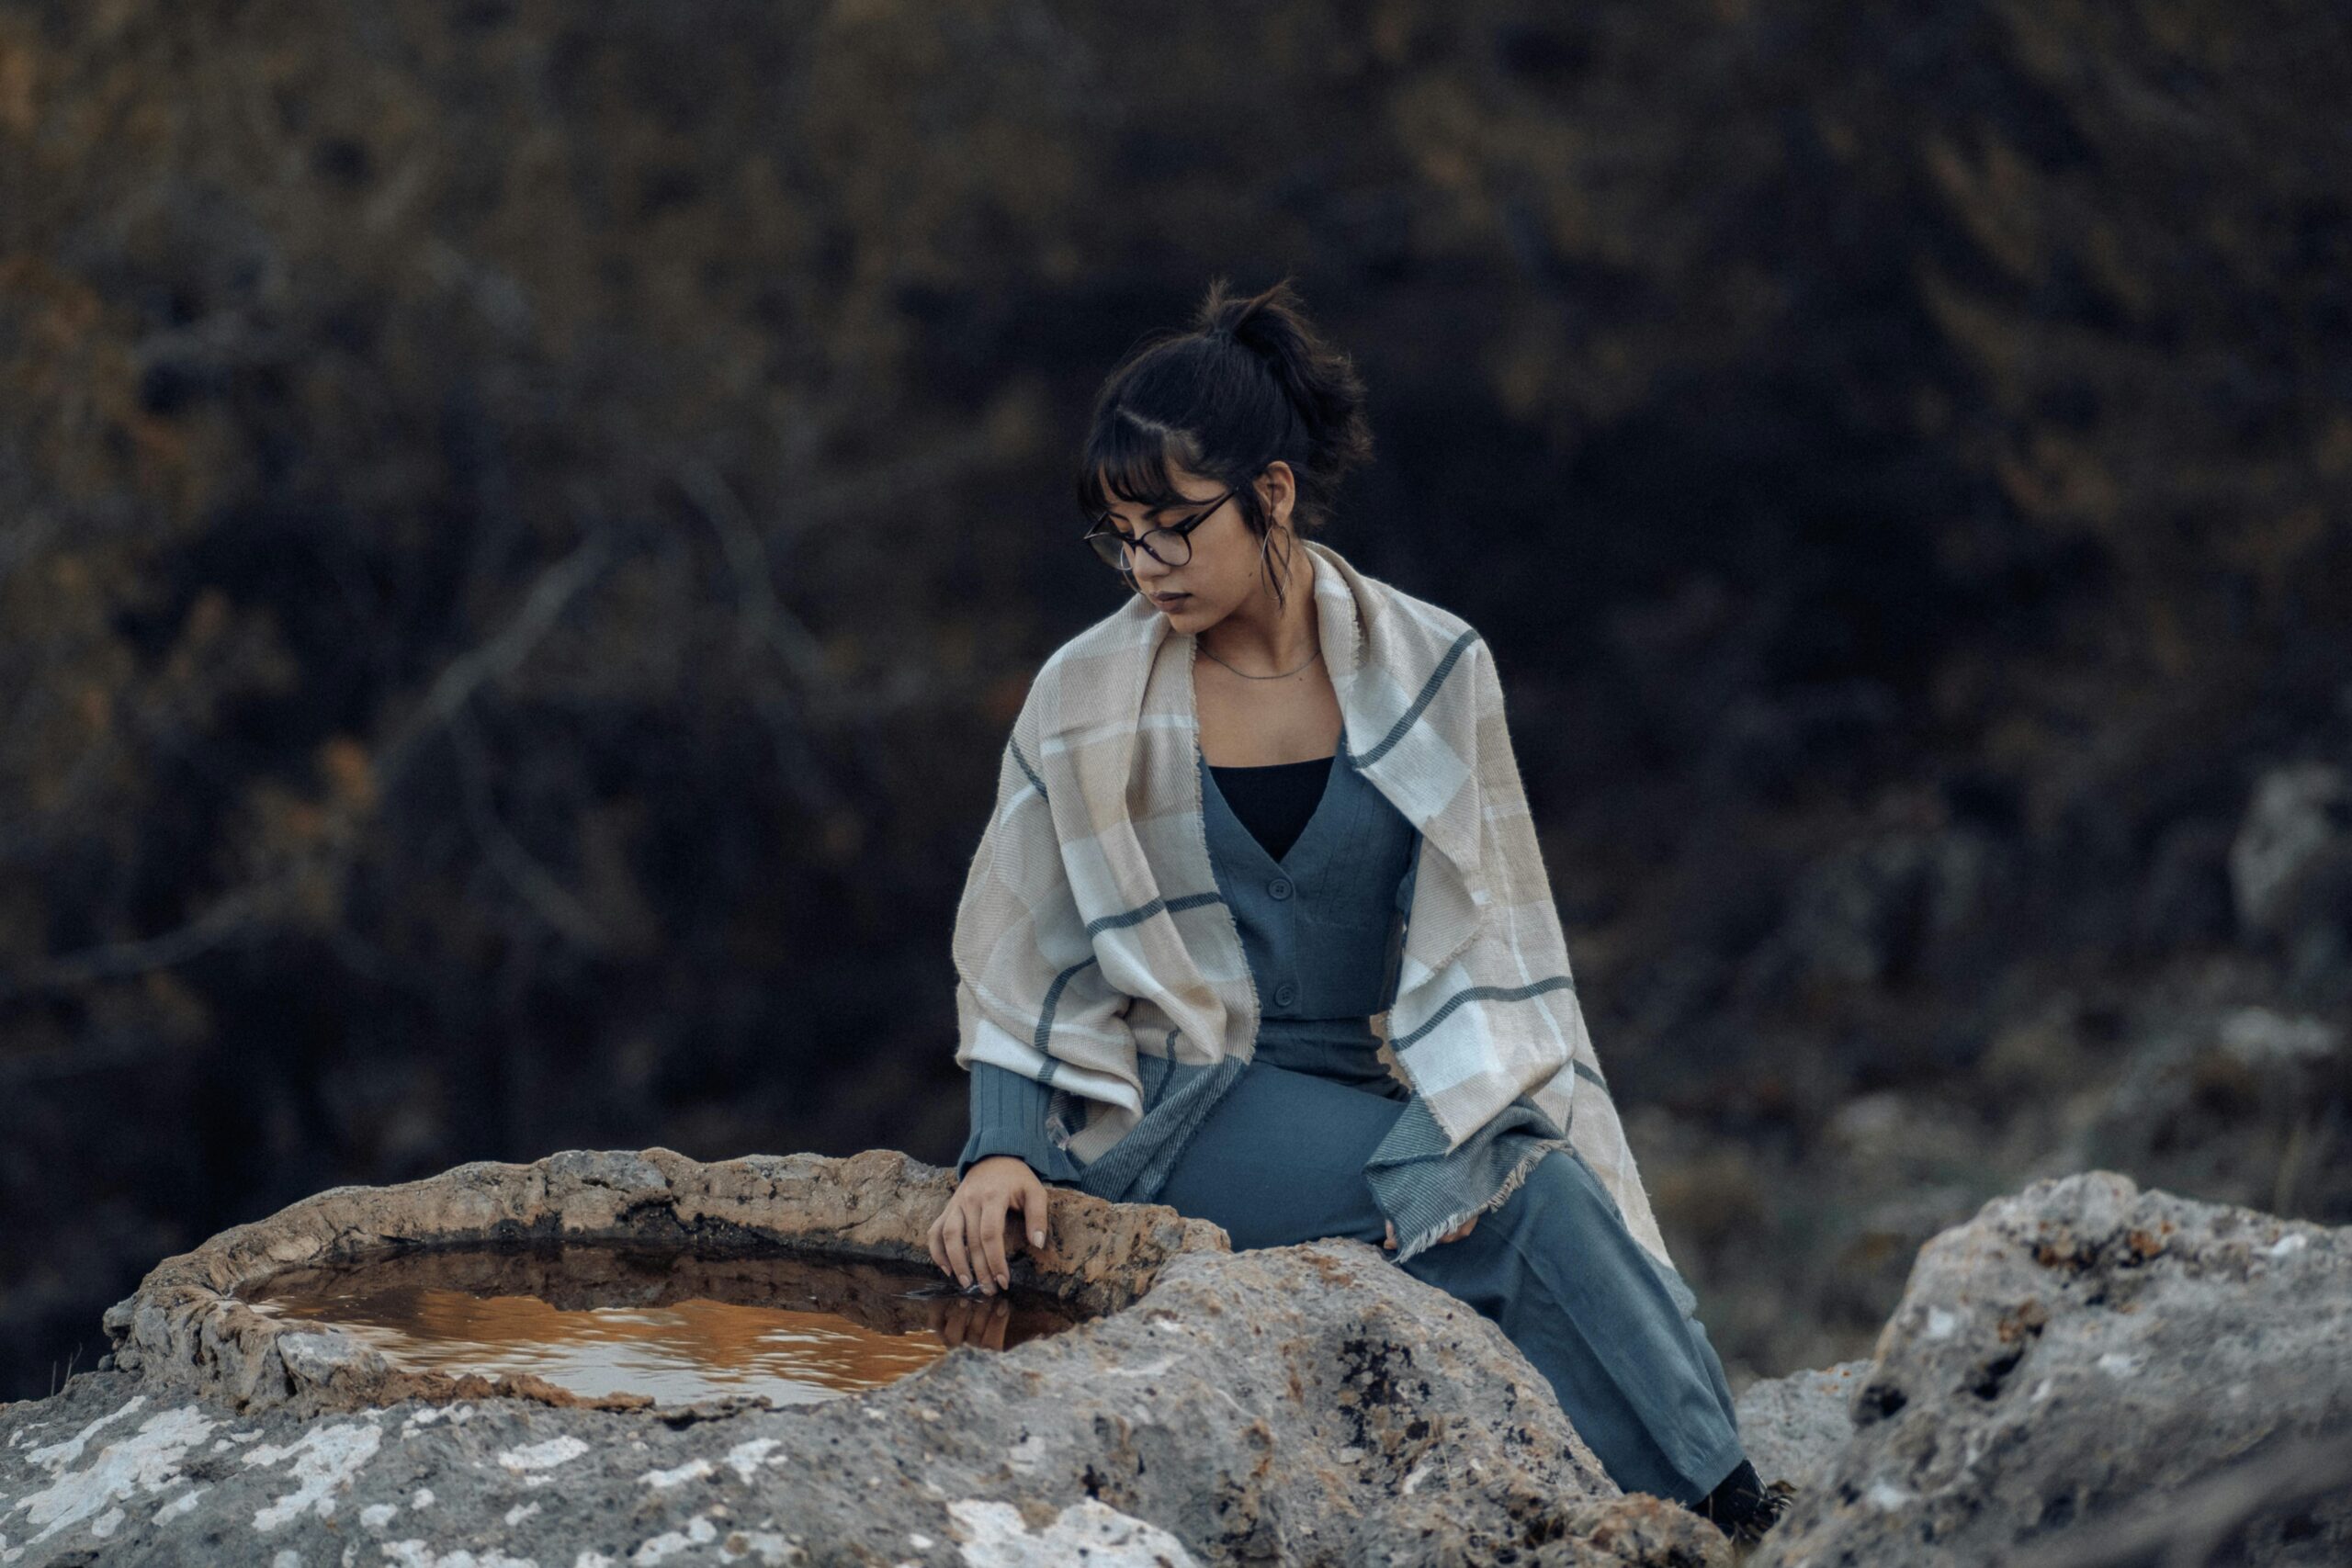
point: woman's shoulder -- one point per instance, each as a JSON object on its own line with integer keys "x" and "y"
{"x": 1420, "y": 631}
{"x": 1409, "y": 610}
{"x": 1448, "y": 626}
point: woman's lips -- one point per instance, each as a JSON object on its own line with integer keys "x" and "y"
{"x": 1167, "y": 601}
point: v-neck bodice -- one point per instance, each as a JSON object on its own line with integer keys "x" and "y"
{"x": 1322, "y": 925}
{"x": 1275, "y": 801}
{"x": 1322, "y": 928}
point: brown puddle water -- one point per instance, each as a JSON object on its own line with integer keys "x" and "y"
{"x": 679, "y": 1326}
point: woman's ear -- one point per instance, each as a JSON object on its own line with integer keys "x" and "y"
{"x": 1278, "y": 488}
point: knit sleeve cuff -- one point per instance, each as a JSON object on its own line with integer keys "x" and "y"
{"x": 1008, "y": 1116}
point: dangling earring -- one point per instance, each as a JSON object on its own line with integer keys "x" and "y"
{"x": 1265, "y": 574}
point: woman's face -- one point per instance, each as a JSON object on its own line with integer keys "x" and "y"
{"x": 1226, "y": 568}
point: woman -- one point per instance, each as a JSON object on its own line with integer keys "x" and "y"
{"x": 1264, "y": 935}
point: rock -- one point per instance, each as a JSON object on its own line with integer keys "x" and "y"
{"x": 2073, "y": 1354}
{"x": 1792, "y": 1426}
{"x": 2291, "y": 861}
{"x": 2080, "y": 1365}
{"x": 2233, "y": 1103}
{"x": 1310, "y": 1403}
{"x": 2191, "y": 1524}
{"x": 186, "y": 1324}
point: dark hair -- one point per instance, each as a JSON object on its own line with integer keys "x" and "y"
{"x": 1249, "y": 383}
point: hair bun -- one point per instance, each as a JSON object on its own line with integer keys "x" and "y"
{"x": 1321, "y": 383}
{"x": 1180, "y": 399}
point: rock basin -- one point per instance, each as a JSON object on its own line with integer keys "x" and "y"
{"x": 248, "y": 1318}
{"x": 1311, "y": 1404}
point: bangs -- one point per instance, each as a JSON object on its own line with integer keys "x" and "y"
{"x": 1132, "y": 458}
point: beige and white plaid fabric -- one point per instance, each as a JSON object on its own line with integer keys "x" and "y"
{"x": 1090, "y": 929}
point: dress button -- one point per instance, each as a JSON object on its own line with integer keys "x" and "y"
{"x": 1278, "y": 887}
{"x": 1286, "y": 994}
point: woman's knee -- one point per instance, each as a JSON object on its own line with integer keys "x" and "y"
{"x": 1559, "y": 1188}
{"x": 1514, "y": 1226}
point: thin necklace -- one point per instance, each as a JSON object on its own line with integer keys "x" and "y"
{"x": 1246, "y": 676}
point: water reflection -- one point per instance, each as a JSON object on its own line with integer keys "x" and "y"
{"x": 678, "y": 1327}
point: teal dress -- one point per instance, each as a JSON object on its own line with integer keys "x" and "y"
{"x": 1277, "y": 1155}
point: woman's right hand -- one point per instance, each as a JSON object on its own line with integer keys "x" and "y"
{"x": 969, "y": 1236}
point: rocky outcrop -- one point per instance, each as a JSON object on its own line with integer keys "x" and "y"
{"x": 2080, "y": 1372}
{"x": 189, "y": 1326}
{"x": 1311, "y": 1404}
{"x": 2069, "y": 1358}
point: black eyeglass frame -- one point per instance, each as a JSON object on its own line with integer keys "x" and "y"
{"x": 1102, "y": 529}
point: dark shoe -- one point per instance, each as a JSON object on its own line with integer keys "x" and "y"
{"x": 1743, "y": 1508}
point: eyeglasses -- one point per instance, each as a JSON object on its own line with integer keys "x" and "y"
{"x": 1170, "y": 545}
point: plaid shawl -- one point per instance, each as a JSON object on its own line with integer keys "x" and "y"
{"x": 1090, "y": 937}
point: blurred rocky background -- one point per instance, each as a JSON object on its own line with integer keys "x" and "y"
{"x": 523, "y": 529}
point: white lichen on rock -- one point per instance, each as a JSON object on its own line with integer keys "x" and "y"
{"x": 1087, "y": 1531}
{"x": 325, "y": 1460}
{"x": 146, "y": 1462}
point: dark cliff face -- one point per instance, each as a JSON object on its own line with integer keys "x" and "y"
{"x": 524, "y": 534}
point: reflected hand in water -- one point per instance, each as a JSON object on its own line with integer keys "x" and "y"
{"x": 977, "y": 1321}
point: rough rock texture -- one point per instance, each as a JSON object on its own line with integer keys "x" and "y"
{"x": 2060, "y": 1369}
{"x": 2079, "y": 1375}
{"x": 1791, "y": 1427}
{"x": 186, "y": 1324}
{"x": 1298, "y": 1405}
{"x": 2070, "y": 1357}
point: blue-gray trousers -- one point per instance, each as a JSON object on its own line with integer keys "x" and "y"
{"x": 1280, "y": 1160}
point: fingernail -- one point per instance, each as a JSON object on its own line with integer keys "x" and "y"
{"x": 966, "y": 1280}
{"x": 1037, "y": 1238}
{"x": 1004, "y": 1282}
